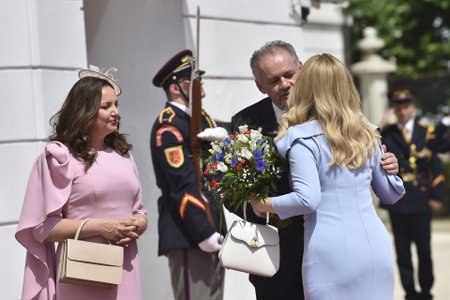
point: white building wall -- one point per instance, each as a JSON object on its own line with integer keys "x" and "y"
{"x": 45, "y": 41}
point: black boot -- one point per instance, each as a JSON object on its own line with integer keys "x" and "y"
{"x": 425, "y": 296}
{"x": 412, "y": 295}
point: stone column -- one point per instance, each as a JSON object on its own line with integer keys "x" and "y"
{"x": 372, "y": 71}
{"x": 42, "y": 46}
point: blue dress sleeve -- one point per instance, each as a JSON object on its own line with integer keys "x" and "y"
{"x": 388, "y": 188}
{"x": 306, "y": 196}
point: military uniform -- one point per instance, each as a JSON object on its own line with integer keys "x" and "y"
{"x": 183, "y": 221}
{"x": 182, "y": 213}
{"x": 423, "y": 177}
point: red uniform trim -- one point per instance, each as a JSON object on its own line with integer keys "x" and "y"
{"x": 168, "y": 128}
{"x": 189, "y": 199}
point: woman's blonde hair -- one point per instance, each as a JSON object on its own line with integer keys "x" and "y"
{"x": 324, "y": 91}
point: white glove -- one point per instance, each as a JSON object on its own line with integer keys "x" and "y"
{"x": 211, "y": 244}
{"x": 213, "y": 134}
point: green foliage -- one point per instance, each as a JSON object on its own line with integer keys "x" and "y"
{"x": 417, "y": 33}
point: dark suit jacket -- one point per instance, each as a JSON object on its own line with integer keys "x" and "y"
{"x": 429, "y": 170}
{"x": 261, "y": 114}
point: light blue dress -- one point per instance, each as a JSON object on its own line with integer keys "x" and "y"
{"x": 348, "y": 252}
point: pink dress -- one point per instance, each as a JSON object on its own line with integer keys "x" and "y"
{"x": 59, "y": 188}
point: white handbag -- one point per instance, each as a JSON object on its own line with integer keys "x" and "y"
{"x": 251, "y": 248}
{"x": 90, "y": 263}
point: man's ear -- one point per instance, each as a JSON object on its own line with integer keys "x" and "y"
{"x": 174, "y": 89}
{"x": 260, "y": 87}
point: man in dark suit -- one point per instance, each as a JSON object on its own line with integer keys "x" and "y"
{"x": 274, "y": 67}
{"x": 422, "y": 173}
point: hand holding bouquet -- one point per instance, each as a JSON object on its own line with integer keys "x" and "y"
{"x": 243, "y": 166}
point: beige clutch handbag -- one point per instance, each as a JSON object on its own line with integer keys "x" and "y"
{"x": 251, "y": 248}
{"x": 90, "y": 263}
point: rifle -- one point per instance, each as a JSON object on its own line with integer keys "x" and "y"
{"x": 195, "y": 96}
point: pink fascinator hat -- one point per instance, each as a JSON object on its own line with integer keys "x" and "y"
{"x": 95, "y": 71}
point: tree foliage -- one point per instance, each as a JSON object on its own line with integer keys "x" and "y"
{"x": 417, "y": 33}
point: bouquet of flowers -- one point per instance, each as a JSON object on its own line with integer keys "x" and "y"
{"x": 243, "y": 166}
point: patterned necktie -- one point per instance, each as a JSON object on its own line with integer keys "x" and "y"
{"x": 406, "y": 135}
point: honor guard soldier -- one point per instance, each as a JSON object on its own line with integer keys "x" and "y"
{"x": 423, "y": 176}
{"x": 187, "y": 236}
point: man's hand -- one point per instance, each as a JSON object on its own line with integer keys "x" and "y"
{"x": 213, "y": 134}
{"x": 211, "y": 244}
{"x": 435, "y": 205}
{"x": 389, "y": 162}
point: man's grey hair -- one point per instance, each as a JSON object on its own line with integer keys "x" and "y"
{"x": 270, "y": 48}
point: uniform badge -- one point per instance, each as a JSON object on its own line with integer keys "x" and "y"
{"x": 190, "y": 199}
{"x": 170, "y": 129}
{"x": 174, "y": 156}
{"x": 166, "y": 115}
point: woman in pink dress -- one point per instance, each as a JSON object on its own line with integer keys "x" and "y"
{"x": 85, "y": 172}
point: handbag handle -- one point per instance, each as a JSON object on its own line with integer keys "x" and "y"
{"x": 244, "y": 207}
{"x": 77, "y": 234}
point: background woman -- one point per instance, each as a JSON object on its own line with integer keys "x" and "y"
{"x": 334, "y": 156}
{"x": 86, "y": 171}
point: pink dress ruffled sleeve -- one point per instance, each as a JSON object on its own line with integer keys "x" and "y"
{"x": 48, "y": 189}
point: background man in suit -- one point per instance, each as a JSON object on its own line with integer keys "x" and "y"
{"x": 186, "y": 236}
{"x": 422, "y": 173}
{"x": 274, "y": 67}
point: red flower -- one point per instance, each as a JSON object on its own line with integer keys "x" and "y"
{"x": 214, "y": 165}
{"x": 239, "y": 166}
{"x": 213, "y": 184}
{"x": 205, "y": 171}
{"x": 247, "y": 131}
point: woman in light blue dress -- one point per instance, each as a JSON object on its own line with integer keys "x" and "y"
{"x": 334, "y": 156}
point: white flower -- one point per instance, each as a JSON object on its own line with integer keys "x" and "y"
{"x": 255, "y": 135}
{"x": 242, "y": 138}
{"x": 216, "y": 148}
{"x": 228, "y": 158}
{"x": 253, "y": 145}
{"x": 222, "y": 167}
{"x": 243, "y": 128}
{"x": 246, "y": 154}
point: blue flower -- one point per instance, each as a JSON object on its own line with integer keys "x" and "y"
{"x": 219, "y": 156}
{"x": 226, "y": 142}
{"x": 234, "y": 162}
{"x": 257, "y": 155}
{"x": 218, "y": 176}
{"x": 260, "y": 165}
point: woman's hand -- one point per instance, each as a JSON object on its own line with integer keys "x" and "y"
{"x": 120, "y": 231}
{"x": 139, "y": 222}
{"x": 389, "y": 162}
{"x": 261, "y": 207}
